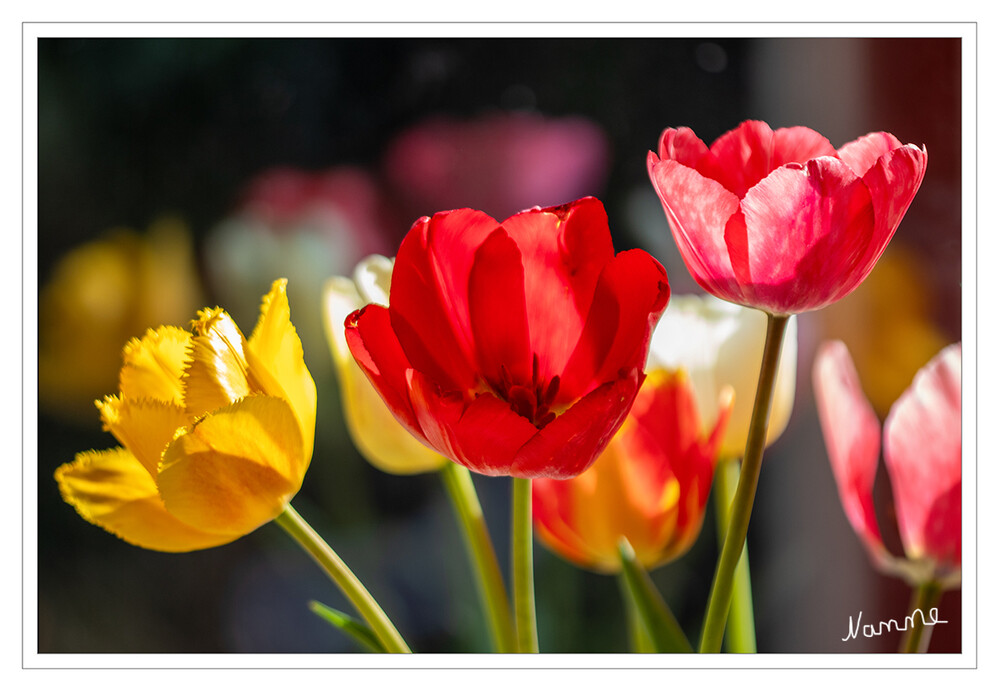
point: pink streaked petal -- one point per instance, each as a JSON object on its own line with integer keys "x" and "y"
{"x": 811, "y": 228}
{"x": 698, "y": 210}
{"x": 853, "y": 439}
{"x": 893, "y": 180}
{"x": 797, "y": 145}
{"x": 376, "y": 349}
{"x": 564, "y": 249}
{"x": 862, "y": 153}
{"x": 631, "y": 295}
{"x": 428, "y": 299}
{"x": 484, "y": 435}
{"x": 572, "y": 441}
{"x": 683, "y": 146}
{"x": 742, "y": 157}
{"x": 923, "y": 456}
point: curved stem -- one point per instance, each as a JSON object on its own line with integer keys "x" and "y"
{"x": 740, "y": 633}
{"x": 917, "y": 636}
{"x": 352, "y": 588}
{"x": 745, "y": 493}
{"x": 489, "y": 578}
{"x": 522, "y": 548}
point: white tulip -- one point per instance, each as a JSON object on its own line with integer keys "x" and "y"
{"x": 721, "y": 344}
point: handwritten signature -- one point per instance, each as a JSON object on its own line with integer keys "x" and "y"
{"x": 883, "y": 627}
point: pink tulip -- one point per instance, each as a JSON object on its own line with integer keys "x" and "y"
{"x": 922, "y": 445}
{"x": 780, "y": 220}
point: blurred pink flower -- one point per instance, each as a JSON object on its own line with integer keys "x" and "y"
{"x": 501, "y": 163}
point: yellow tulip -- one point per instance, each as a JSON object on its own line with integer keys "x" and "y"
{"x": 216, "y": 431}
{"x": 378, "y": 436}
{"x": 720, "y": 345}
{"x": 100, "y": 295}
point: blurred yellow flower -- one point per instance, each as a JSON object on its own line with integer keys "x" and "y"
{"x": 720, "y": 344}
{"x": 887, "y": 326}
{"x": 216, "y": 431}
{"x": 379, "y": 437}
{"x": 100, "y": 295}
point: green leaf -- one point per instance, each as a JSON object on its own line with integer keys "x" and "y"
{"x": 354, "y": 628}
{"x": 655, "y": 616}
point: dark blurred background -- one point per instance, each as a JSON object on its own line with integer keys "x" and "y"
{"x": 135, "y": 130}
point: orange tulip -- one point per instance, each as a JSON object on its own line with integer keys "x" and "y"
{"x": 650, "y": 485}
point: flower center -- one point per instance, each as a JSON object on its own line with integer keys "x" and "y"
{"x": 532, "y": 400}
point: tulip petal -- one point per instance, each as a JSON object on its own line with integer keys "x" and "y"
{"x": 628, "y": 300}
{"x": 923, "y": 457}
{"x": 497, "y": 311}
{"x": 237, "y": 468}
{"x": 217, "y": 372}
{"x": 555, "y": 507}
{"x": 111, "y": 489}
{"x": 862, "y": 153}
{"x": 340, "y": 298}
{"x": 376, "y": 350}
{"x": 570, "y": 443}
{"x": 275, "y": 357}
{"x": 564, "y": 249}
{"x": 683, "y": 146}
{"x": 428, "y": 300}
{"x": 811, "y": 227}
{"x": 484, "y": 435}
{"x": 154, "y": 364}
{"x": 742, "y": 157}
{"x": 379, "y": 437}
{"x": 853, "y": 440}
{"x": 698, "y": 209}
{"x": 144, "y": 426}
{"x": 893, "y": 181}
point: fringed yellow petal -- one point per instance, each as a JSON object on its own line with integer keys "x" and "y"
{"x": 276, "y": 361}
{"x": 236, "y": 469}
{"x": 144, "y": 427}
{"x": 153, "y": 365}
{"x": 217, "y": 373}
{"x": 111, "y": 489}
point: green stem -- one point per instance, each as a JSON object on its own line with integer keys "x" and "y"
{"x": 740, "y": 634}
{"x": 323, "y": 554}
{"x": 489, "y": 578}
{"x": 745, "y": 493}
{"x": 917, "y": 635}
{"x": 522, "y": 548}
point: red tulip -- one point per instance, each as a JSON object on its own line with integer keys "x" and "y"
{"x": 650, "y": 485}
{"x": 512, "y": 348}
{"x": 780, "y": 220}
{"x": 922, "y": 448}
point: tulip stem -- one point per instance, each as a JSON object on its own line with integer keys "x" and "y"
{"x": 742, "y": 504}
{"x": 917, "y": 636}
{"x": 740, "y": 633}
{"x": 522, "y": 549}
{"x": 352, "y": 588}
{"x": 489, "y": 578}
